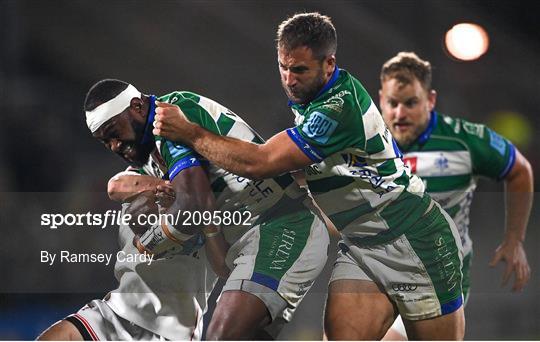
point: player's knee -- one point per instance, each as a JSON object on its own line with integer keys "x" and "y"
{"x": 61, "y": 331}
{"x": 222, "y": 329}
{"x": 335, "y": 328}
{"x": 227, "y": 328}
{"x": 340, "y": 326}
{"x": 456, "y": 322}
{"x": 460, "y": 325}
{"x": 214, "y": 331}
{"x": 222, "y": 326}
{"x": 239, "y": 315}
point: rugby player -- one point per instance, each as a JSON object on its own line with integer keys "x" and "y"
{"x": 130, "y": 312}
{"x": 449, "y": 154}
{"x": 164, "y": 299}
{"x": 279, "y": 246}
{"x": 395, "y": 237}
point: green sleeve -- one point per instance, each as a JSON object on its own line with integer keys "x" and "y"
{"x": 188, "y": 103}
{"x": 178, "y": 157}
{"x": 324, "y": 132}
{"x": 492, "y": 155}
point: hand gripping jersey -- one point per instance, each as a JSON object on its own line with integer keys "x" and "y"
{"x": 263, "y": 199}
{"x": 169, "y": 296}
{"x": 358, "y": 175}
{"x": 450, "y": 155}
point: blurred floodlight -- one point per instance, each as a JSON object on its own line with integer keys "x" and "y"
{"x": 514, "y": 126}
{"x": 467, "y": 41}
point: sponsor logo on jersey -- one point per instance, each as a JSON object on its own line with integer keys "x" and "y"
{"x": 259, "y": 190}
{"x": 335, "y": 102}
{"x": 410, "y": 162}
{"x": 448, "y": 120}
{"x": 319, "y": 127}
{"x": 441, "y": 163}
{"x": 497, "y": 142}
{"x": 474, "y": 129}
{"x": 334, "y": 106}
{"x": 354, "y": 160}
{"x": 358, "y": 167}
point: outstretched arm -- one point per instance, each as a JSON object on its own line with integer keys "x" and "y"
{"x": 519, "y": 197}
{"x": 278, "y": 155}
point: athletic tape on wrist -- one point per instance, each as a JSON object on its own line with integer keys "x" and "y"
{"x": 212, "y": 234}
{"x": 161, "y": 237}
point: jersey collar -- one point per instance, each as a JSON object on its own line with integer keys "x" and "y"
{"x": 328, "y": 85}
{"x": 426, "y": 134}
{"x": 147, "y": 135}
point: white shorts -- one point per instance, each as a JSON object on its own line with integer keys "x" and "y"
{"x": 96, "y": 321}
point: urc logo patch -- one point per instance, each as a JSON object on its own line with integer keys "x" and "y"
{"x": 319, "y": 127}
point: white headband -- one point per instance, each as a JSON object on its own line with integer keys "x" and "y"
{"x": 111, "y": 108}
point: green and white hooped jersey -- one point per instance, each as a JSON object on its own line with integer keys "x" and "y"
{"x": 450, "y": 155}
{"x": 264, "y": 199}
{"x": 358, "y": 175}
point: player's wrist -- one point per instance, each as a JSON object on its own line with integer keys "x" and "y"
{"x": 163, "y": 239}
{"x": 513, "y": 238}
{"x": 211, "y": 231}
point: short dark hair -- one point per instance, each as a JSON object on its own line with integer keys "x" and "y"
{"x": 312, "y": 30}
{"x": 406, "y": 66}
{"x": 102, "y": 92}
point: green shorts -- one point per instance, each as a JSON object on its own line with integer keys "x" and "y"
{"x": 419, "y": 270}
{"x": 279, "y": 260}
{"x": 466, "y": 270}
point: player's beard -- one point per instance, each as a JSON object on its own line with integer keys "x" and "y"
{"x": 141, "y": 150}
{"x": 142, "y": 154}
{"x": 408, "y": 137}
{"x": 308, "y": 92}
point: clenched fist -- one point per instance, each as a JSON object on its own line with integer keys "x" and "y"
{"x": 172, "y": 124}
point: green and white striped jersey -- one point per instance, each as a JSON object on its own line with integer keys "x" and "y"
{"x": 168, "y": 295}
{"x": 450, "y": 155}
{"x": 358, "y": 175}
{"x": 264, "y": 199}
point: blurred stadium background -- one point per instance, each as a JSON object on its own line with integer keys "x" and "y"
{"x": 51, "y": 52}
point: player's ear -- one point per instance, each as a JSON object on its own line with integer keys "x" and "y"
{"x": 136, "y": 103}
{"x": 330, "y": 64}
{"x": 136, "y": 106}
{"x": 331, "y": 60}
